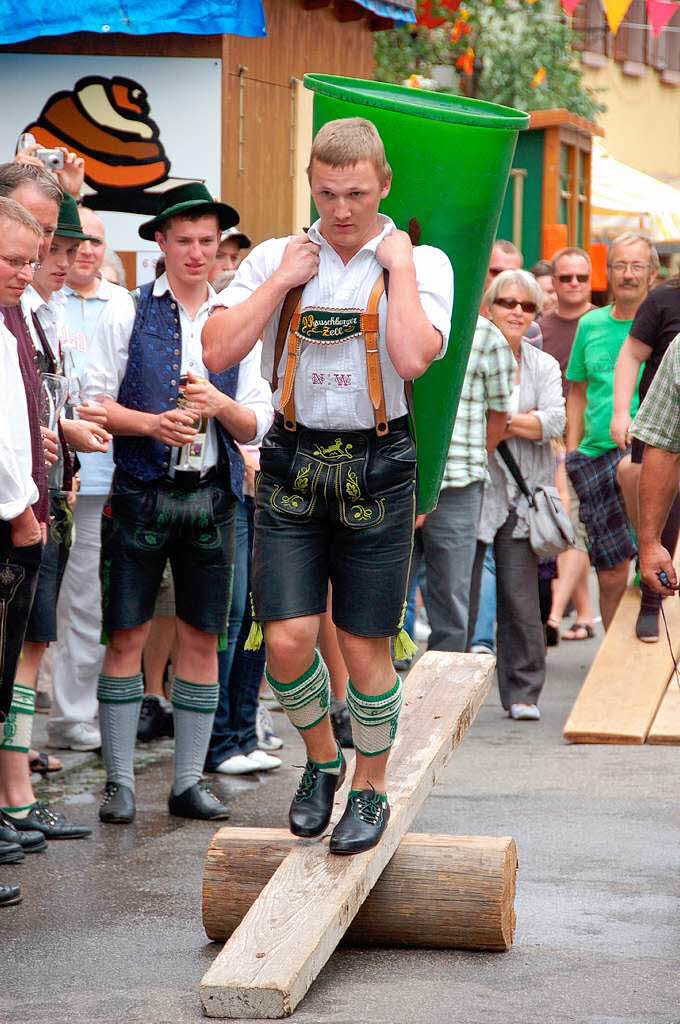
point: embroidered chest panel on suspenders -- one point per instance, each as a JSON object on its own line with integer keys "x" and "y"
{"x": 329, "y": 327}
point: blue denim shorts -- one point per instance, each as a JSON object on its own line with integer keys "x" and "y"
{"x": 339, "y": 506}
{"x": 144, "y": 525}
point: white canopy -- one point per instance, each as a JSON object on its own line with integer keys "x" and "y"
{"x": 624, "y": 199}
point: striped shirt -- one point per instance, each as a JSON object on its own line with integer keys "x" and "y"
{"x": 487, "y": 386}
{"x": 658, "y": 420}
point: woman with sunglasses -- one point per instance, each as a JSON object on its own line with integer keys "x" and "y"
{"x": 513, "y": 299}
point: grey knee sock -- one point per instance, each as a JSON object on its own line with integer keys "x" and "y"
{"x": 195, "y": 705}
{"x": 119, "y": 704}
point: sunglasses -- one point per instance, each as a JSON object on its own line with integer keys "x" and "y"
{"x": 527, "y": 307}
{"x": 566, "y": 278}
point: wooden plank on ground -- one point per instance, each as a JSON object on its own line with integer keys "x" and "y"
{"x": 272, "y": 958}
{"x": 666, "y": 726}
{"x": 623, "y": 689}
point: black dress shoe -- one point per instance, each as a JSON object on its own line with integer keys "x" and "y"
{"x": 52, "y": 824}
{"x": 9, "y": 895}
{"x": 30, "y": 842}
{"x": 312, "y": 805}
{"x": 362, "y": 824}
{"x": 118, "y": 805}
{"x": 198, "y": 801}
{"x": 341, "y": 724}
{"x": 11, "y": 853}
{"x": 154, "y": 721}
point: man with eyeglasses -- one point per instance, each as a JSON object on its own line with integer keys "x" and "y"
{"x": 592, "y": 454}
{"x": 656, "y": 324}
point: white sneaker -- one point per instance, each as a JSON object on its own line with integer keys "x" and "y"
{"x": 80, "y": 736}
{"x": 263, "y": 762}
{"x": 421, "y": 628}
{"x": 239, "y": 764}
{"x": 481, "y": 649}
{"x": 525, "y": 712}
{"x": 264, "y": 728}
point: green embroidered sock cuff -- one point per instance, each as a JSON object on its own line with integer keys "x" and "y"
{"x": 307, "y": 699}
{"x": 112, "y": 690}
{"x": 374, "y": 718}
{"x": 199, "y": 697}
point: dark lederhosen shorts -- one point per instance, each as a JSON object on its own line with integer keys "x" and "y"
{"x": 637, "y": 447}
{"x": 335, "y": 505}
{"x": 42, "y": 623}
{"x": 602, "y": 510}
{"x": 146, "y": 524}
{"x": 19, "y": 569}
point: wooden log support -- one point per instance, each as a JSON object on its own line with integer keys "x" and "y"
{"x": 272, "y": 958}
{"x": 622, "y": 692}
{"x": 437, "y": 892}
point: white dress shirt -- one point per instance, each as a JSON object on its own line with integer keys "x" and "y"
{"x": 51, "y": 316}
{"x": 331, "y": 384}
{"x": 109, "y": 357}
{"x": 17, "y": 488}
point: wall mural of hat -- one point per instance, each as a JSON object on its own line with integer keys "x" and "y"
{"x": 106, "y": 121}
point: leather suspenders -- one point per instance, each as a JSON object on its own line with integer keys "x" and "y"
{"x": 289, "y": 323}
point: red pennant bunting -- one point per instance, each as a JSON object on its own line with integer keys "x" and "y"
{"x": 659, "y": 13}
{"x": 569, "y": 6}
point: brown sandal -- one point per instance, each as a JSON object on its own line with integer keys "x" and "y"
{"x": 579, "y": 631}
{"x": 44, "y": 764}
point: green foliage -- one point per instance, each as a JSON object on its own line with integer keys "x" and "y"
{"x": 512, "y": 41}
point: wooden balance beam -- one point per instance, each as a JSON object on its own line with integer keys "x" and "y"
{"x": 437, "y": 892}
{"x": 622, "y": 692}
{"x": 302, "y": 913}
{"x": 666, "y": 726}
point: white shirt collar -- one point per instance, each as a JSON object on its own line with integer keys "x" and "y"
{"x": 31, "y": 299}
{"x": 104, "y": 291}
{"x": 161, "y": 286}
{"x": 386, "y": 225}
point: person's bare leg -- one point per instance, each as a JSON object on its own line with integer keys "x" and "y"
{"x": 573, "y": 567}
{"x": 331, "y": 653}
{"x": 628, "y": 479}
{"x": 157, "y": 650}
{"x": 15, "y": 775}
{"x": 612, "y": 587}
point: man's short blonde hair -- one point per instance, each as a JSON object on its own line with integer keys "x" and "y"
{"x": 13, "y": 213}
{"x": 345, "y": 142}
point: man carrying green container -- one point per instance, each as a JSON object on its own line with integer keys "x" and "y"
{"x": 336, "y": 494}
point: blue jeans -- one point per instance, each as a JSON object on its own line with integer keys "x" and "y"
{"x": 240, "y": 671}
{"x": 485, "y": 628}
{"x": 416, "y": 579}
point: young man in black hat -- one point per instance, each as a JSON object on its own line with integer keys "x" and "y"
{"x": 336, "y": 494}
{"x": 172, "y": 495}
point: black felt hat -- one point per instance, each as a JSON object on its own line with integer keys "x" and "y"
{"x": 190, "y": 198}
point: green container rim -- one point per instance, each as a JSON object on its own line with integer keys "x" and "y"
{"x": 418, "y": 102}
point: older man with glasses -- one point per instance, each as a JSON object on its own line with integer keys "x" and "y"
{"x": 592, "y": 454}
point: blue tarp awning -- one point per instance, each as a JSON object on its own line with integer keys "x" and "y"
{"x": 400, "y": 12}
{"x": 30, "y": 19}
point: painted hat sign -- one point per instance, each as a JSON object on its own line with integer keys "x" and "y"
{"x": 106, "y": 121}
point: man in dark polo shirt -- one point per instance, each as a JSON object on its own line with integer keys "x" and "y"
{"x": 571, "y": 277}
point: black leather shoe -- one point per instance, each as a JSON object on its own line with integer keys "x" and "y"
{"x": 341, "y": 724}
{"x": 362, "y": 824}
{"x": 312, "y": 805}
{"x": 198, "y": 801}
{"x": 52, "y": 824}
{"x": 11, "y": 853}
{"x": 30, "y": 842}
{"x": 647, "y": 626}
{"x": 9, "y": 895}
{"x": 118, "y": 805}
{"x": 154, "y": 721}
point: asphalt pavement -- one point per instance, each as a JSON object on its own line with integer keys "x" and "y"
{"x": 110, "y": 928}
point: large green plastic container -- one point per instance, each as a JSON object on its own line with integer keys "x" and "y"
{"x": 450, "y": 158}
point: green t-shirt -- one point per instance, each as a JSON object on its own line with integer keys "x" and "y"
{"x": 596, "y": 348}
